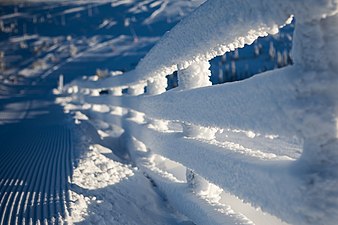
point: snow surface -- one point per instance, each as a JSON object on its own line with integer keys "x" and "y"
{"x": 107, "y": 191}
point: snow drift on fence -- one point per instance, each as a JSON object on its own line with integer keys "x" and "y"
{"x": 299, "y": 101}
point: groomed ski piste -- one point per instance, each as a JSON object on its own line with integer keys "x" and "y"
{"x": 148, "y": 139}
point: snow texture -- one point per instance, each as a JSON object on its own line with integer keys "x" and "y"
{"x": 109, "y": 192}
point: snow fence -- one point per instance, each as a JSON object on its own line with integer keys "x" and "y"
{"x": 263, "y": 150}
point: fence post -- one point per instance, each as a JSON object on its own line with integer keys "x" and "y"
{"x": 117, "y": 92}
{"x": 127, "y": 139}
{"x": 134, "y": 91}
{"x": 157, "y": 85}
{"x": 315, "y": 52}
{"x": 316, "y": 89}
{"x": 60, "y": 83}
{"x": 195, "y": 76}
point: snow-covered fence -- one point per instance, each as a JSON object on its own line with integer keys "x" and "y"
{"x": 270, "y": 140}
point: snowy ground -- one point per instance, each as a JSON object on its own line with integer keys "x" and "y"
{"x": 109, "y": 190}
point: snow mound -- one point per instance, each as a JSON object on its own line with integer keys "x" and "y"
{"x": 97, "y": 171}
